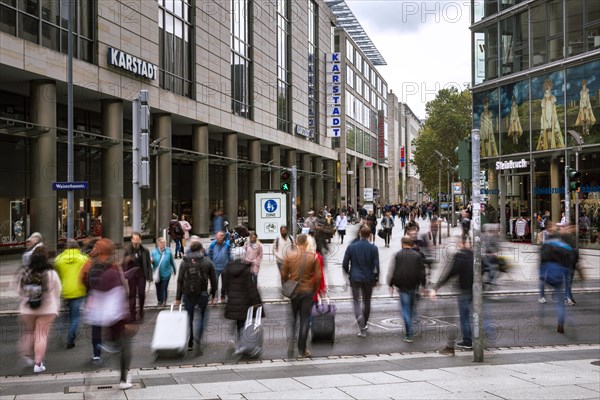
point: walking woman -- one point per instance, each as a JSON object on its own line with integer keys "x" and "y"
{"x": 39, "y": 287}
{"x": 387, "y": 223}
{"x": 341, "y": 222}
{"x": 162, "y": 258}
{"x": 254, "y": 254}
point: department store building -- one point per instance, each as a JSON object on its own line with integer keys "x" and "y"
{"x": 237, "y": 91}
{"x": 536, "y": 93}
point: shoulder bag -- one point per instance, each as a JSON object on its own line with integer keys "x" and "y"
{"x": 288, "y": 288}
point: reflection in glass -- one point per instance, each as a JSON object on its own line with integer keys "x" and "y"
{"x": 550, "y": 134}
{"x": 488, "y": 141}
{"x": 514, "y": 129}
{"x": 585, "y": 118}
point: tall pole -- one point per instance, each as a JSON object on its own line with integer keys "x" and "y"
{"x": 577, "y": 203}
{"x": 70, "y": 177}
{"x": 477, "y": 278}
{"x": 448, "y": 211}
{"x": 440, "y": 198}
{"x": 294, "y": 197}
{"x": 136, "y": 191}
{"x": 567, "y": 191}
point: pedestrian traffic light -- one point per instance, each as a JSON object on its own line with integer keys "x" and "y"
{"x": 573, "y": 177}
{"x": 463, "y": 153}
{"x": 286, "y": 185}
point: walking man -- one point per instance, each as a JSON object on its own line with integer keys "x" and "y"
{"x": 406, "y": 274}
{"x": 361, "y": 264}
{"x": 137, "y": 268}
{"x": 218, "y": 251}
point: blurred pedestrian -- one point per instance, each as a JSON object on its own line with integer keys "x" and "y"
{"x": 567, "y": 234}
{"x": 341, "y": 222}
{"x": 434, "y": 227}
{"x": 465, "y": 224}
{"x": 282, "y": 245}
{"x": 387, "y": 223}
{"x": 39, "y": 287}
{"x": 107, "y": 305}
{"x": 550, "y": 232}
{"x": 68, "y": 265}
{"x": 361, "y": 265}
{"x": 296, "y": 262}
{"x": 162, "y": 259}
{"x": 254, "y": 254}
{"x": 461, "y": 266}
{"x": 187, "y": 228}
{"x": 176, "y": 233}
{"x": 218, "y": 251}
{"x": 371, "y": 222}
{"x": 35, "y": 240}
{"x": 407, "y": 274}
{"x": 195, "y": 273}
{"x": 138, "y": 270}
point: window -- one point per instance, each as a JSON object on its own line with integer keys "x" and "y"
{"x": 485, "y": 54}
{"x": 359, "y": 85}
{"x": 46, "y": 23}
{"x": 349, "y": 51}
{"x": 175, "y": 22}
{"x": 349, "y": 76}
{"x": 367, "y": 72}
{"x": 350, "y": 137}
{"x": 547, "y": 40}
{"x": 313, "y": 68}
{"x": 241, "y": 62}
{"x": 514, "y": 45}
{"x": 358, "y": 62}
{"x": 592, "y": 25}
{"x": 283, "y": 61}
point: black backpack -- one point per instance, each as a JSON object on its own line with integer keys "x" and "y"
{"x": 195, "y": 279}
{"x": 95, "y": 273}
{"x": 33, "y": 289}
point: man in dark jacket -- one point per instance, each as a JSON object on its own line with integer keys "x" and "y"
{"x": 461, "y": 266}
{"x": 192, "y": 283}
{"x": 176, "y": 233}
{"x": 138, "y": 269}
{"x": 406, "y": 273}
{"x": 361, "y": 264}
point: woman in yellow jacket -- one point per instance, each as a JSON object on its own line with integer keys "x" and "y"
{"x": 68, "y": 264}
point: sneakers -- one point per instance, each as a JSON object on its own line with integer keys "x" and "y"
{"x": 447, "y": 351}
{"x": 560, "y": 329}
{"x": 39, "y": 368}
{"x": 70, "y": 345}
{"x": 306, "y": 354}
{"x": 361, "y": 322}
{"x": 27, "y": 361}
{"x": 125, "y": 385}
{"x": 464, "y": 345}
{"x": 542, "y": 300}
{"x": 362, "y": 334}
{"x": 407, "y": 339}
{"x": 569, "y": 302}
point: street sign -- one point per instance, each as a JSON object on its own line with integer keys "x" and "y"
{"x": 271, "y": 214}
{"x": 457, "y": 187}
{"x": 368, "y": 194}
{"x": 70, "y": 186}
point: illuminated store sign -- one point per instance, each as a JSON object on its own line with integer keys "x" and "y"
{"x": 500, "y": 165}
{"x": 132, "y": 64}
{"x": 333, "y": 67}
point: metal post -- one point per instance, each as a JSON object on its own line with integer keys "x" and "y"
{"x": 440, "y": 199}
{"x": 567, "y": 192}
{"x": 448, "y": 208}
{"x": 70, "y": 160}
{"x": 294, "y": 206}
{"x": 136, "y": 192}
{"x": 577, "y": 203}
{"x": 476, "y": 224}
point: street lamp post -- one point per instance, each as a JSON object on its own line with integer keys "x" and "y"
{"x": 443, "y": 157}
{"x": 579, "y": 140}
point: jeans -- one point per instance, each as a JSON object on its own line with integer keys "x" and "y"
{"x": 407, "y": 301}
{"x": 464, "y": 309}
{"x": 569, "y": 283}
{"x": 178, "y": 247}
{"x": 162, "y": 290}
{"x": 74, "y": 306}
{"x": 387, "y": 234}
{"x": 542, "y": 287}
{"x": 366, "y": 289}
{"x": 559, "y": 295}
{"x": 190, "y": 302}
{"x": 302, "y": 304}
{"x": 137, "y": 288}
{"x": 219, "y": 272}
{"x": 96, "y": 340}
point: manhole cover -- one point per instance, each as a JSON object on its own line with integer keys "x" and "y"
{"x": 97, "y": 388}
{"x": 596, "y": 363}
{"x": 400, "y": 322}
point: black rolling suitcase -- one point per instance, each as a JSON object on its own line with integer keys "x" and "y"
{"x": 322, "y": 325}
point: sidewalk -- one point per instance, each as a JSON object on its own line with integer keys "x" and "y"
{"x": 546, "y": 372}
{"x": 522, "y": 278}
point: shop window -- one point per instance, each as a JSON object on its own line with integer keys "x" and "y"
{"x": 485, "y": 118}
{"x": 514, "y": 118}
{"x": 548, "y": 108}
{"x": 583, "y": 109}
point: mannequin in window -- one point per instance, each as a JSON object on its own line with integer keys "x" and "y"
{"x": 550, "y": 135}
{"x": 488, "y": 140}
{"x": 585, "y": 118}
{"x": 514, "y": 129}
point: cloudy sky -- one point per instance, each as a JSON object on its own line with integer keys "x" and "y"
{"x": 426, "y": 45}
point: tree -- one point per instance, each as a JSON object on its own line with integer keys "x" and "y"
{"x": 449, "y": 118}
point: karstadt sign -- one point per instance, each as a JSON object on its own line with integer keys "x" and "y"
{"x": 133, "y": 64}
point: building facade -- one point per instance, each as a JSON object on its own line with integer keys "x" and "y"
{"x": 237, "y": 91}
{"x": 536, "y": 98}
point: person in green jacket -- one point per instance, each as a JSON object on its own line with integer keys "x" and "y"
{"x": 68, "y": 264}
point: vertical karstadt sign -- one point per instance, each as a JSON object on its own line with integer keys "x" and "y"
{"x": 333, "y": 67}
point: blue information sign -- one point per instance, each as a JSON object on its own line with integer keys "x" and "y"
{"x": 69, "y": 185}
{"x": 270, "y": 206}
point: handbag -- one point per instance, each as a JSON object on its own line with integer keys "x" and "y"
{"x": 156, "y": 272}
{"x": 288, "y": 288}
{"x": 381, "y": 234}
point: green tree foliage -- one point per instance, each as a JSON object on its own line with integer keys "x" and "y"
{"x": 448, "y": 120}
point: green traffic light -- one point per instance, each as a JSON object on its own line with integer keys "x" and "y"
{"x": 285, "y": 187}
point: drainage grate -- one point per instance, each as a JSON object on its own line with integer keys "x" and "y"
{"x": 97, "y": 388}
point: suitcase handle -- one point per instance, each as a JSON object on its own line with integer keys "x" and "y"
{"x": 249, "y": 318}
{"x": 180, "y": 306}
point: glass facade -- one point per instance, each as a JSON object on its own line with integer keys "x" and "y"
{"x": 241, "y": 60}
{"x": 46, "y": 23}
{"x": 176, "y": 50}
{"x": 283, "y": 67}
{"x": 313, "y": 69}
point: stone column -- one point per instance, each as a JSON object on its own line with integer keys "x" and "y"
{"x": 254, "y": 180}
{"x": 306, "y": 198}
{"x": 164, "y": 197}
{"x": 319, "y": 200}
{"x": 556, "y": 172}
{"x": 361, "y": 180}
{"x": 112, "y": 172}
{"x": 353, "y": 183}
{"x": 200, "y": 186}
{"x": 330, "y": 183}
{"x": 230, "y": 180}
{"x": 344, "y": 198}
{"x": 43, "y": 206}
{"x": 275, "y": 155}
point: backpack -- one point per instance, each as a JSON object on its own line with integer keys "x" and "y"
{"x": 94, "y": 277}
{"x": 33, "y": 289}
{"x": 175, "y": 229}
{"x": 195, "y": 279}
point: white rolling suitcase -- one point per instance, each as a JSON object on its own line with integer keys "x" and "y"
{"x": 171, "y": 333}
{"x": 250, "y": 337}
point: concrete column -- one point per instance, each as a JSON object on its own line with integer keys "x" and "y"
{"x": 200, "y": 186}
{"x": 231, "y": 178}
{"x": 112, "y": 172}
{"x": 556, "y": 173}
{"x": 330, "y": 184}
{"x": 164, "y": 198}
{"x": 319, "y": 199}
{"x": 344, "y": 197}
{"x": 43, "y": 206}
{"x": 254, "y": 180}
{"x": 275, "y": 155}
{"x": 353, "y": 182}
{"x": 306, "y": 195}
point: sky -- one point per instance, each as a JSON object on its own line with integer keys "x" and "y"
{"x": 426, "y": 45}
